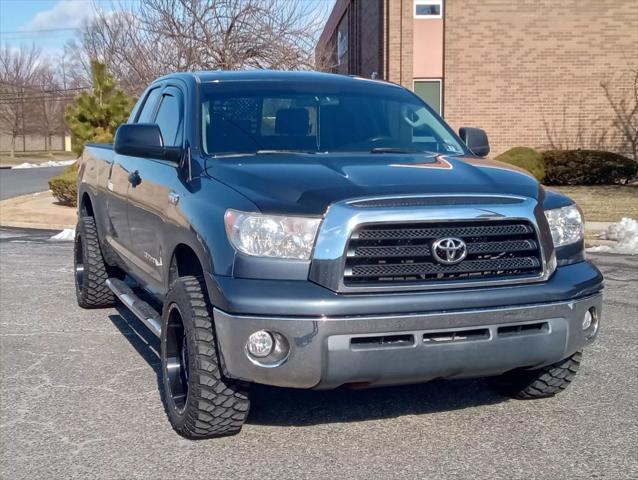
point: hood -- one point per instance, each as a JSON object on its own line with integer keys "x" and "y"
{"x": 309, "y": 183}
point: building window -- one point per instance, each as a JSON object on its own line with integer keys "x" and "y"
{"x": 342, "y": 39}
{"x": 430, "y": 93}
{"x": 428, "y": 8}
{"x": 342, "y": 45}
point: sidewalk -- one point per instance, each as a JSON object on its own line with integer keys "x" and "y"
{"x": 36, "y": 210}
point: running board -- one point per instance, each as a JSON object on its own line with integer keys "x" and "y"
{"x": 142, "y": 310}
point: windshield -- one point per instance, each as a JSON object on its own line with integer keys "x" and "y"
{"x": 257, "y": 118}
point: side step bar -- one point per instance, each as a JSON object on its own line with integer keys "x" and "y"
{"x": 142, "y": 310}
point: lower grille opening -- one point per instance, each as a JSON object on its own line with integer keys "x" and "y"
{"x": 527, "y": 329}
{"x": 456, "y": 336}
{"x": 383, "y": 341}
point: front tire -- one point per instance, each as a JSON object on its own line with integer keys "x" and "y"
{"x": 542, "y": 383}
{"x": 91, "y": 272}
{"x": 200, "y": 403}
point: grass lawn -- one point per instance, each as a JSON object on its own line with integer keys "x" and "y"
{"x": 604, "y": 203}
{"x": 34, "y": 157}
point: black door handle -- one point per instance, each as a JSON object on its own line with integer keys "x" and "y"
{"x": 134, "y": 178}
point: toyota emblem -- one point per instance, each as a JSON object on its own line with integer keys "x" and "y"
{"x": 449, "y": 250}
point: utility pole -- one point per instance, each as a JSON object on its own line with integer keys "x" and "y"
{"x": 63, "y": 103}
{"x": 24, "y": 140}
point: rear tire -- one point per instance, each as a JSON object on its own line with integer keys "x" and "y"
{"x": 199, "y": 402}
{"x": 542, "y": 383}
{"x": 90, "y": 270}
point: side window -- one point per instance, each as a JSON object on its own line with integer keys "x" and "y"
{"x": 146, "y": 115}
{"x": 169, "y": 119}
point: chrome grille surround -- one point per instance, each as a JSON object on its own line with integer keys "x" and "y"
{"x": 343, "y": 219}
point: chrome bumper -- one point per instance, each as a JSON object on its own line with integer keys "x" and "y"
{"x": 377, "y": 350}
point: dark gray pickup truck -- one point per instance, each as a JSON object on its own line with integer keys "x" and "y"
{"x": 310, "y": 230}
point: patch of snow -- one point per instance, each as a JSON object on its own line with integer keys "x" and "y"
{"x": 50, "y": 163}
{"x": 66, "y": 235}
{"x": 624, "y": 233}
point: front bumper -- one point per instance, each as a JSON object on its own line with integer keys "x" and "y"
{"x": 445, "y": 344}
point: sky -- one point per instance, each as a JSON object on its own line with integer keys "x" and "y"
{"x": 48, "y": 24}
{"x": 51, "y": 23}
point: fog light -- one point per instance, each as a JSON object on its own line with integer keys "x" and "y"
{"x": 587, "y": 320}
{"x": 260, "y": 344}
{"x": 590, "y": 322}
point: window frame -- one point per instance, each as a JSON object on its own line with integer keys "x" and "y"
{"x": 172, "y": 91}
{"x": 427, "y": 16}
{"x": 146, "y": 98}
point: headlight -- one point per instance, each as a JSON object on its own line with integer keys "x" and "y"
{"x": 271, "y": 235}
{"x": 566, "y": 224}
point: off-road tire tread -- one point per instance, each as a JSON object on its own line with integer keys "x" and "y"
{"x": 215, "y": 405}
{"x": 94, "y": 293}
{"x": 542, "y": 383}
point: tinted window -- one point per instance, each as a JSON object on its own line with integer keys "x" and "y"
{"x": 169, "y": 120}
{"x": 146, "y": 115}
{"x": 309, "y": 118}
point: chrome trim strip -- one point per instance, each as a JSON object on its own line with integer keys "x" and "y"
{"x": 434, "y": 195}
{"x": 342, "y": 219}
{"x": 142, "y": 310}
{"x": 516, "y": 314}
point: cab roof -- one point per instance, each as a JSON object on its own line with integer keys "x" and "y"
{"x": 215, "y": 76}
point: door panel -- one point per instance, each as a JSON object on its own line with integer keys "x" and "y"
{"x": 152, "y": 202}
{"x": 117, "y": 187}
{"x": 120, "y": 176}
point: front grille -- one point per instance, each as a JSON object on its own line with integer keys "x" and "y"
{"x": 402, "y": 253}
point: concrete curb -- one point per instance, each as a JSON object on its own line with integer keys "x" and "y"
{"x": 597, "y": 226}
{"x": 36, "y": 226}
{"x": 37, "y": 162}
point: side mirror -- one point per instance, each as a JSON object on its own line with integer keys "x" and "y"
{"x": 143, "y": 140}
{"x": 476, "y": 140}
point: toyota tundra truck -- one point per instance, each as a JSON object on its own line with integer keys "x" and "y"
{"x": 311, "y": 230}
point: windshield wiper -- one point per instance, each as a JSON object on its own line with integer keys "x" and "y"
{"x": 395, "y": 150}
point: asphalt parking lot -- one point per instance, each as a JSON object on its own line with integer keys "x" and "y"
{"x": 79, "y": 399}
{"x": 20, "y": 181}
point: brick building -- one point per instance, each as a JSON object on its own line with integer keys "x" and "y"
{"x": 529, "y": 72}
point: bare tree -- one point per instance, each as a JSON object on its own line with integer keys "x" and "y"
{"x": 141, "y": 41}
{"x": 626, "y": 115}
{"x": 18, "y": 67}
{"x": 575, "y": 129}
{"x": 47, "y": 116}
